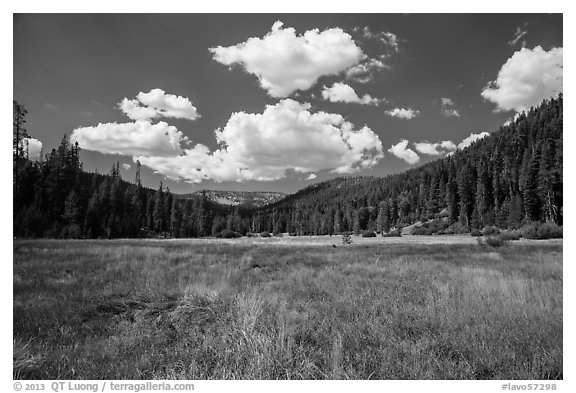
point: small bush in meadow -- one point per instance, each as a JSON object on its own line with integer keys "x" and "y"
{"x": 549, "y": 231}
{"x": 476, "y": 232}
{"x": 368, "y": 234}
{"x": 491, "y": 241}
{"x": 510, "y": 234}
{"x": 265, "y": 234}
{"x": 229, "y": 234}
{"x": 448, "y": 231}
{"x": 437, "y": 226}
{"x": 346, "y": 238}
{"x": 420, "y": 231}
{"x": 530, "y": 230}
{"x": 490, "y": 230}
{"x": 278, "y": 234}
{"x": 459, "y": 229}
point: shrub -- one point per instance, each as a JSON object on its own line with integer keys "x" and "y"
{"x": 476, "y": 232}
{"x": 278, "y": 234}
{"x": 420, "y": 231}
{"x": 530, "y": 230}
{"x": 368, "y": 234}
{"x": 292, "y": 234}
{"x": 265, "y": 234}
{"x": 229, "y": 234}
{"x": 249, "y": 234}
{"x": 510, "y": 234}
{"x": 459, "y": 229}
{"x": 490, "y": 230}
{"x": 448, "y": 231}
{"x": 491, "y": 241}
{"x": 346, "y": 238}
{"x": 549, "y": 231}
{"x": 437, "y": 226}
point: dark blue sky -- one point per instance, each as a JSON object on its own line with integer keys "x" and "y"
{"x": 71, "y": 71}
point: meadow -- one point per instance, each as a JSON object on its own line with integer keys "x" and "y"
{"x": 414, "y": 307}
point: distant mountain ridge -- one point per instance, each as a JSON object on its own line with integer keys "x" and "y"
{"x": 236, "y": 198}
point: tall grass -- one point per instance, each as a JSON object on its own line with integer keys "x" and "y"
{"x": 140, "y": 310}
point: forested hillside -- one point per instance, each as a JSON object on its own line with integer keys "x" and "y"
{"x": 509, "y": 178}
{"x": 506, "y": 179}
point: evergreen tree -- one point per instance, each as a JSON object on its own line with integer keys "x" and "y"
{"x": 158, "y": 215}
{"x": 531, "y": 198}
{"x": 175, "y": 218}
{"x": 452, "y": 200}
{"x": 19, "y": 133}
{"x": 466, "y": 194}
{"x": 383, "y": 221}
{"x": 338, "y": 217}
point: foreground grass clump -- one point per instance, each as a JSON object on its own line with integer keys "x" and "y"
{"x": 180, "y": 309}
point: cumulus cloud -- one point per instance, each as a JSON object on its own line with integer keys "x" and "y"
{"x": 34, "y": 148}
{"x": 446, "y": 148}
{"x": 471, "y": 139}
{"x": 403, "y": 113}
{"x": 156, "y": 103}
{"x": 138, "y": 138}
{"x": 402, "y": 151}
{"x": 126, "y": 166}
{"x": 387, "y": 38}
{"x": 364, "y": 71}
{"x": 448, "y": 107}
{"x": 341, "y": 92}
{"x": 435, "y": 149}
{"x": 527, "y": 77}
{"x": 311, "y": 176}
{"x": 285, "y": 62}
{"x": 263, "y": 146}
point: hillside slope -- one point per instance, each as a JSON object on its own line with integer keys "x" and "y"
{"x": 512, "y": 176}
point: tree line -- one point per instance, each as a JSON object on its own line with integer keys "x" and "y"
{"x": 509, "y": 178}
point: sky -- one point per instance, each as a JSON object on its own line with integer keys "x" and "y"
{"x": 275, "y": 102}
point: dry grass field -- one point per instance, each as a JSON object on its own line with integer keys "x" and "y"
{"x": 287, "y": 308}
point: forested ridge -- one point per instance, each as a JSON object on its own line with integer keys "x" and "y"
{"x": 509, "y": 178}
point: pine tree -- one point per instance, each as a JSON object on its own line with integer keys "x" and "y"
{"x": 158, "y": 215}
{"x": 532, "y": 201}
{"x": 19, "y": 133}
{"x": 433, "y": 202}
{"x": 452, "y": 200}
{"x": 167, "y": 210}
{"x": 383, "y": 220}
{"x": 547, "y": 181}
{"x": 466, "y": 194}
{"x": 71, "y": 213}
{"x": 175, "y": 218}
{"x": 338, "y": 221}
